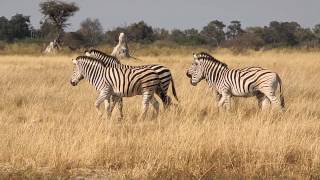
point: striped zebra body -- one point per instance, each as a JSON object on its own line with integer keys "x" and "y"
{"x": 113, "y": 83}
{"x": 162, "y": 71}
{"x": 245, "y": 82}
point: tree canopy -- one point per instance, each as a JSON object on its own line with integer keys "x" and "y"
{"x": 58, "y": 13}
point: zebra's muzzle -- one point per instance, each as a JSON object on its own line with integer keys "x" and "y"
{"x": 73, "y": 83}
{"x": 188, "y": 75}
{"x": 193, "y": 83}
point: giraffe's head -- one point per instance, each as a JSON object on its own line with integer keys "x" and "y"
{"x": 195, "y": 71}
{"x": 77, "y": 75}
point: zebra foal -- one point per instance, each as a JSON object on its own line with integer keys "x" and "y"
{"x": 114, "y": 83}
{"x": 245, "y": 82}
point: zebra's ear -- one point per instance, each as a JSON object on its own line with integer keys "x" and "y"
{"x": 194, "y": 56}
{"x": 86, "y": 53}
{"x": 74, "y": 61}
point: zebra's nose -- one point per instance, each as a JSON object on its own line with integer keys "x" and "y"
{"x": 188, "y": 75}
{"x": 73, "y": 83}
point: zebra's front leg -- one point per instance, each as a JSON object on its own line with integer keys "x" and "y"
{"x": 102, "y": 97}
{"x": 218, "y": 96}
{"x": 118, "y": 100}
{"x": 110, "y": 107}
{"x": 224, "y": 101}
{"x": 147, "y": 96}
{"x": 227, "y": 102}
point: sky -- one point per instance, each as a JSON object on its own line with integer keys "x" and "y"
{"x": 181, "y": 14}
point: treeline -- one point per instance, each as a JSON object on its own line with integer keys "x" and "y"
{"x": 215, "y": 34}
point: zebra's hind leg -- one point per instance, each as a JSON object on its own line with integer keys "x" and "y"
{"x": 147, "y": 96}
{"x": 166, "y": 100}
{"x": 263, "y": 101}
{"x": 155, "y": 105}
{"x": 275, "y": 101}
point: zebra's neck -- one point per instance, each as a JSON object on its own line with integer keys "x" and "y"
{"x": 92, "y": 71}
{"x": 213, "y": 72}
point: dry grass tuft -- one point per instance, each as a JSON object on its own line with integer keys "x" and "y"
{"x": 49, "y": 129}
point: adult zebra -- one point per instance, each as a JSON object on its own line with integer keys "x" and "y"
{"x": 245, "y": 82}
{"x": 162, "y": 71}
{"x": 116, "y": 82}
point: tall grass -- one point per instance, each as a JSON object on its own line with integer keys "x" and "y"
{"x": 50, "y": 129}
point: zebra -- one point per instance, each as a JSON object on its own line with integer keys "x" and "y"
{"x": 245, "y": 82}
{"x": 116, "y": 82}
{"x": 163, "y": 72}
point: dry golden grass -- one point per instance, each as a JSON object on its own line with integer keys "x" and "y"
{"x": 50, "y": 129}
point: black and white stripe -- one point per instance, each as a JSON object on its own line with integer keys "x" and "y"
{"x": 162, "y": 71}
{"x": 245, "y": 82}
{"x": 116, "y": 82}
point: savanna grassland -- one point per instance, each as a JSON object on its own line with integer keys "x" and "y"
{"x": 49, "y": 129}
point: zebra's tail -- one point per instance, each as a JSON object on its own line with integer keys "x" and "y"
{"x": 281, "y": 92}
{"x": 174, "y": 90}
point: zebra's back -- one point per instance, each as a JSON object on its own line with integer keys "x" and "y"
{"x": 128, "y": 82}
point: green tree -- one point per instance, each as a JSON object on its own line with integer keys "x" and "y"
{"x": 92, "y": 31}
{"x": 48, "y": 30}
{"x": 161, "y": 34}
{"x": 18, "y": 27}
{"x": 58, "y": 13}
{"x": 192, "y": 37}
{"x": 177, "y": 36}
{"x": 234, "y": 30}
{"x": 4, "y": 23}
{"x": 140, "y": 32}
{"x": 213, "y": 32}
{"x": 316, "y": 30}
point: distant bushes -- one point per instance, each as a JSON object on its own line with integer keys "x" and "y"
{"x": 215, "y": 34}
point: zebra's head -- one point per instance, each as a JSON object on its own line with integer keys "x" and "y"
{"x": 195, "y": 71}
{"x": 77, "y": 75}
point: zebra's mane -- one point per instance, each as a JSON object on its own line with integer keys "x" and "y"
{"x": 91, "y": 59}
{"x": 103, "y": 54}
{"x": 206, "y": 56}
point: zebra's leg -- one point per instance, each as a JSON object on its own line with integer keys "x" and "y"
{"x": 112, "y": 102}
{"x": 275, "y": 101}
{"x": 102, "y": 97}
{"x": 225, "y": 101}
{"x": 147, "y": 96}
{"x": 263, "y": 101}
{"x": 166, "y": 100}
{"x": 217, "y": 95}
{"x": 120, "y": 106}
{"x": 270, "y": 91}
{"x": 155, "y": 105}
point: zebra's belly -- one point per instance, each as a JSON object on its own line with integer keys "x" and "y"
{"x": 242, "y": 94}
{"x": 127, "y": 94}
